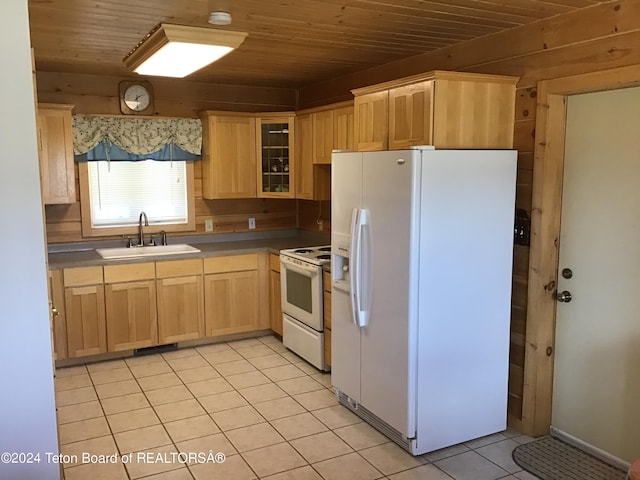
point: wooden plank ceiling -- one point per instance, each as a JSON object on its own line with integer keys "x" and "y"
{"x": 291, "y": 43}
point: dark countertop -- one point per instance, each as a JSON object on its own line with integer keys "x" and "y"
{"x": 232, "y": 244}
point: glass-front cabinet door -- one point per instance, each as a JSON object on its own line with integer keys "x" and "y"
{"x": 275, "y": 135}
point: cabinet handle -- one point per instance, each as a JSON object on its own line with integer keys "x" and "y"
{"x": 40, "y": 140}
{"x": 55, "y": 311}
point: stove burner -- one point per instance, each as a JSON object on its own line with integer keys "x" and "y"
{"x": 311, "y": 255}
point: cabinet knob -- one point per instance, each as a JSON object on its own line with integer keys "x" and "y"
{"x": 55, "y": 311}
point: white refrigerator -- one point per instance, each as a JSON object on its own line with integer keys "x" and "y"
{"x": 422, "y": 244}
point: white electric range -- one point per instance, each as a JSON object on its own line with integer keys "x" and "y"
{"x": 302, "y": 301}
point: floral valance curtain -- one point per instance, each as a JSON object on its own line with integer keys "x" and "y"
{"x": 136, "y": 138}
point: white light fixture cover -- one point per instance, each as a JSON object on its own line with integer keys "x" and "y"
{"x": 220, "y": 18}
{"x": 179, "y": 50}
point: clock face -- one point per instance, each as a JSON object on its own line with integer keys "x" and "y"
{"x": 137, "y": 98}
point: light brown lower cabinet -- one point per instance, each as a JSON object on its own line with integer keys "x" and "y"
{"x": 128, "y": 306}
{"x": 131, "y": 315}
{"x": 275, "y": 304}
{"x": 58, "y": 316}
{"x": 84, "y": 311}
{"x": 130, "y": 299}
{"x": 275, "y": 296}
{"x": 231, "y": 294}
{"x": 327, "y": 318}
{"x": 231, "y": 302}
{"x": 180, "y": 300}
{"x": 327, "y": 346}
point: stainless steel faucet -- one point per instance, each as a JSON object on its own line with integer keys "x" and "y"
{"x": 141, "y": 229}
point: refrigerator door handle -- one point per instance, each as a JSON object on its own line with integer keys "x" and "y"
{"x": 359, "y": 315}
{"x": 353, "y": 260}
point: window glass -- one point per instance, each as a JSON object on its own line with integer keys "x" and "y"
{"x": 119, "y": 191}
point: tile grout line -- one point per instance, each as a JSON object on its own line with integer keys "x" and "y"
{"x": 153, "y": 407}
{"x": 287, "y": 395}
{"x": 150, "y": 405}
{"x": 173, "y": 442}
{"x": 107, "y": 420}
{"x": 490, "y": 460}
{"x": 209, "y": 413}
{"x": 253, "y": 404}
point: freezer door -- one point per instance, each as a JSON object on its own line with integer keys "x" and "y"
{"x": 346, "y": 173}
{"x": 345, "y": 346}
{"x": 346, "y": 194}
{"x": 389, "y": 282}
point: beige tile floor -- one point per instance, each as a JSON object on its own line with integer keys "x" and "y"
{"x": 270, "y": 413}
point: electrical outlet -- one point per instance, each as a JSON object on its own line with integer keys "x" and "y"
{"x": 320, "y": 225}
{"x": 208, "y": 225}
{"x": 252, "y": 223}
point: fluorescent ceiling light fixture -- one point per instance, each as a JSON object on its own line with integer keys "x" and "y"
{"x": 179, "y": 50}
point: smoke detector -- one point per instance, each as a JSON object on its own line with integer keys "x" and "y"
{"x": 220, "y": 18}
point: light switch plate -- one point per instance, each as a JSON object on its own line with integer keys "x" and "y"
{"x": 252, "y": 223}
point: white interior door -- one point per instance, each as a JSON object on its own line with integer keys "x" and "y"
{"x": 596, "y": 391}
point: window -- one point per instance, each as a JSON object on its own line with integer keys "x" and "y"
{"x": 114, "y": 193}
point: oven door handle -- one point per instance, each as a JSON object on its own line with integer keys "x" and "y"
{"x": 309, "y": 271}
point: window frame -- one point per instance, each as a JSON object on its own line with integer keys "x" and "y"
{"x": 88, "y": 230}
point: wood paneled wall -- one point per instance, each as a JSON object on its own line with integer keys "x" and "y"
{"x": 64, "y": 221}
{"x": 97, "y": 94}
{"x": 94, "y": 94}
{"x": 596, "y": 38}
{"x": 310, "y": 212}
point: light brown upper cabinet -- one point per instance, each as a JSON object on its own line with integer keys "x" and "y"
{"x": 443, "y": 109}
{"x": 247, "y": 155}
{"x": 228, "y": 155}
{"x": 55, "y": 151}
{"x": 371, "y": 121}
{"x": 322, "y": 137}
{"x": 410, "y": 114}
{"x": 304, "y": 157}
{"x": 343, "y": 128}
{"x": 275, "y": 153}
{"x": 319, "y": 131}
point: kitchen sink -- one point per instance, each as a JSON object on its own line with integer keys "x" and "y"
{"x": 146, "y": 251}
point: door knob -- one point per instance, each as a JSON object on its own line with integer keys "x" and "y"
{"x": 563, "y": 296}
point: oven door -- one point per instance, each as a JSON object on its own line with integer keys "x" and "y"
{"x": 302, "y": 291}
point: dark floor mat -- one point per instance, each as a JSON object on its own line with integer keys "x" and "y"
{"x": 553, "y": 459}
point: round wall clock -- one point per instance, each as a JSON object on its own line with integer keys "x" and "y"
{"x": 136, "y": 97}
